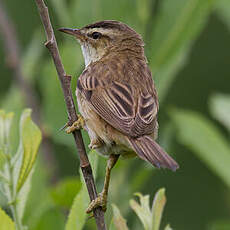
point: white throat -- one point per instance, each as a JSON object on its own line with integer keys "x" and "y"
{"x": 89, "y": 53}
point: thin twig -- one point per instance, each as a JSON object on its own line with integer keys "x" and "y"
{"x": 65, "y": 80}
{"x": 13, "y": 61}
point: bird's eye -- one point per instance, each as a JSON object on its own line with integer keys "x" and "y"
{"x": 96, "y": 35}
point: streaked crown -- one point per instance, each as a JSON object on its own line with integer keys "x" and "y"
{"x": 101, "y": 38}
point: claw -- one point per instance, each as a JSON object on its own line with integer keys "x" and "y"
{"x": 100, "y": 201}
{"x": 79, "y": 124}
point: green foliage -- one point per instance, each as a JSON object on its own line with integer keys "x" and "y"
{"x": 61, "y": 9}
{"x": 2, "y": 159}
{"x": 30, "y": 139}
{"x": 31, "y": 57}
{"x": 17, "y": 168}
{"x": 223, "y": 9}
{"x": 6, "y": 222}
{"x": 157, "y": 209}
{"x": 40, "y": 202}
{"x": 143, "y": 210}
{"x": 220, "y": 108}
{"x": 51, "y": 219}
{"x": 118, "y": 222}
{"x": 220, "y": 225}
{"x": 5, "y": 124}
{"x": 64, "y": 192}
{"x": 205, "y": 139}
{"x": 168, "y": 227}
{"x": 177, "y": 25}
{"x": 143, "y": 10}
{"x": 150, "y": 218}
{"x": 77, "y": 216}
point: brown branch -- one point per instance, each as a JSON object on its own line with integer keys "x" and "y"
{"x": 13, "y": 61}
{"x": 65, "y": 80}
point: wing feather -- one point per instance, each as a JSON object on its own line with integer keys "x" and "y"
{"x": 125, "y": 106}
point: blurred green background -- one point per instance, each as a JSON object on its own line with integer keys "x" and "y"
{"x": 188, "y": 48}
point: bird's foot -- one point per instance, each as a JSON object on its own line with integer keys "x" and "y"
{"x": 78, "y": 124}
{"x": 100, "y": 201}
{"x": 95, "y": 143}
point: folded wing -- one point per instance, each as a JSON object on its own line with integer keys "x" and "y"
{"x": 129, "y": 109}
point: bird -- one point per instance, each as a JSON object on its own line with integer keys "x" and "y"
{"x": 117, "y": 98}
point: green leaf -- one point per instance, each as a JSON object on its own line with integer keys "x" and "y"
{"x": 77, "y": 216}
{"x": 2, "y": 159}
{"x": 223, "y": 10}
{"x": 51, "y": 219}
{"x": 14, "y": 101}
{"x": 60, "y": 8}
{"x": 205, "y": 139}
{"x": 178, "y": 24}
{"x": 31, "y": 57}
{"x": 22, "y": 195}
{"x": 143, "y": 11}
{"x": 6, "y": 120}
{"x": 64, "y": 192}
{"x": 158, "y": 208}
{"x": 168, "y": 227}
{"x": 118, "y": 220}
{"x": 6, "y": 222}
{"x": 164, "y": 76}
{"x": 98, "y": 10}
{"x": 222, "y": 224}
{"x": 142, "y": 210}
{"x": 5, "y": 125}
{"x": 220, "y": 108}
{"x": 112, "y": 225}
{"x": 83, "y": 15}
{"x": 30, "y": 138}
{"x": 39, "y": 192}
{"x": 93, "y": 159}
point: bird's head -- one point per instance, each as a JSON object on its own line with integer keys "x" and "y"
{"x": 105, "y": 37}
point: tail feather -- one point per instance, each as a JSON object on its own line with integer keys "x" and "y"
{"x": 148, "y": 150}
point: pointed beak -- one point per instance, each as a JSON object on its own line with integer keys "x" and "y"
{"x": 75, "y": 32}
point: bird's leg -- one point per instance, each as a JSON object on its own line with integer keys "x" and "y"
{"x": 78, "y": 124}
{"x": 101, "y": 200}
